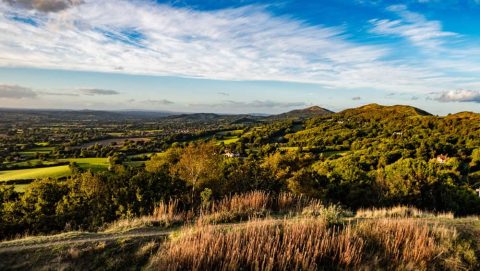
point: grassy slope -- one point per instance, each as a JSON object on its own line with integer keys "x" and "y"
{"x": 35, "y": 173}
{"x": 132, "y": 250}
{"x": 229, "y": 140}
{"x": 41, "y": 150}
{"x": 81, "y": 251}
{"x": 93, "y": 164}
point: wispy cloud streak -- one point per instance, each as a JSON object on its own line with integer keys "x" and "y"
{"x": 246, "y": 43}
{"x": 414, "y": 27}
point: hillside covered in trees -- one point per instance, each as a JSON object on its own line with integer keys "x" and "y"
{"x": 372, "y": 156}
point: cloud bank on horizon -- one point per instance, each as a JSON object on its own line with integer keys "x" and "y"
{"x": 393, "y": 48}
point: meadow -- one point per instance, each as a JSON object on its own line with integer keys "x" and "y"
{"x": 38, "y": 150}
{"x": 35, "y": 173}
{"x": 55, "y": 172}
{"x": 93, "y": 164}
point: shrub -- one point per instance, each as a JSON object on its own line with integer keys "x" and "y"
{"x": 331, "y": 213}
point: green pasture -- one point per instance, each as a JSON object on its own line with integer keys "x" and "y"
{"x": 35, "y": 173}
{"x": 93, "y": 164}
{"x": 42, "y": 144}
{"x": 30, "y": 163}
{"x": 33, "y": 151}
{"x": 228, "y": 140}
{"x": 21, "y": 187}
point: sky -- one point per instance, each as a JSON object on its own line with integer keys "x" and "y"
{"x": 239, "y": 56}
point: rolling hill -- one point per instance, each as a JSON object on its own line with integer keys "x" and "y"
{"x": 309, "y": 112}
{"x": 376, "y": 111}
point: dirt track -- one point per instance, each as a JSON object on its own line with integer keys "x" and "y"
{"x": 19, "y": 245}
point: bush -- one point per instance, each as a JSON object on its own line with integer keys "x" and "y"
{"x": 331, "y": 213}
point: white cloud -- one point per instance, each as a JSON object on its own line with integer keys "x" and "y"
{"x": 258, "y": 104}
{"x": 247, "y": 43}
{"x": 96, "y": 91}
{"x": 43, "y": 5}
{"x": 459, "y": 96}
{"x": 412, "y": 26}
{"x": 16, "y": 92}
{"x": 49, "y": 93}
{"x": 157, "y": 102}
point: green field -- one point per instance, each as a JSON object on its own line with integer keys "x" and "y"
{"x": 33, "y": 151}
{"x": 30, "y": 163}
{"x": 228, "y": 140}
{"x": 93, "y": 164}
{"x": 21, "y": 187}
{"x": 35, "y": 173}
{"x": 42, "y": 144}
{"x": 229, "y": 137}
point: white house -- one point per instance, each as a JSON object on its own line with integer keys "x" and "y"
{"x": 231, "y": 154}
{"x": 442, "y": 159}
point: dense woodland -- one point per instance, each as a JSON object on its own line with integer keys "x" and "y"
{"x": 370, "y": 156}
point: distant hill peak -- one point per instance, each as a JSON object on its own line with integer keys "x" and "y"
{"x": 315, "y": 108}
{"x": 464, "y": 115}
{"x": 309, "y": 112}
{"x": 312, "y": 109}
{"x": 404, "y": 110}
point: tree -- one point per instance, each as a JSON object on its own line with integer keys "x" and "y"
{"x": 308, "y": 182}
{"x": 475, "y": 163}
{"x": 162, "y": 161}
{"x": 199, "y": 163}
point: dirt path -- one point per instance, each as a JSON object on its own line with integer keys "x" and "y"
{"x": 15, "y": 246}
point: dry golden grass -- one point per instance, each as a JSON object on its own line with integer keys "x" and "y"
{"x": 399, "y": 212}
{"x": 288, "y": 202}
{"x": 252, "y": 205}
{"x": 304, "y": 245}
{"x": 165, "y": 214}
{"x": 310, "y": 244}
{"x": 236, "y": 208}
{"x": 255, "y": 200}
{"x": 406, "y": 242}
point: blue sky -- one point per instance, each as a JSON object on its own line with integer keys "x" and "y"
{"x": 239, "y": 56}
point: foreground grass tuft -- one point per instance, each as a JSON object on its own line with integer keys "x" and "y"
{"x": 310, "y": 244}
{"x": 400, "y": 211}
